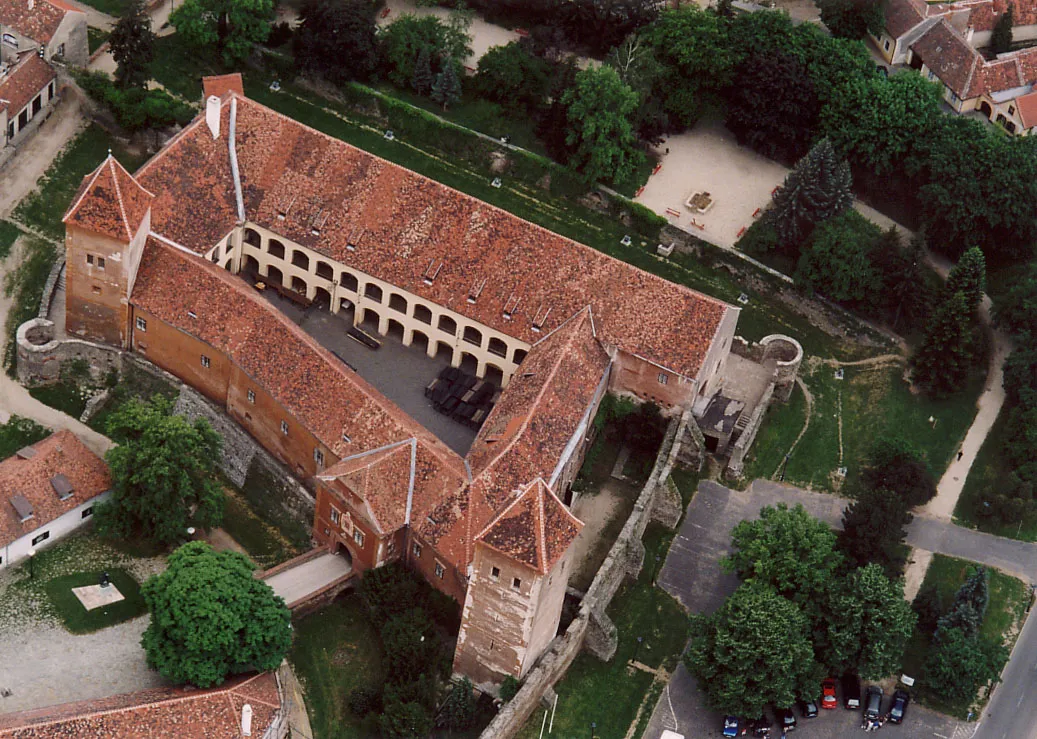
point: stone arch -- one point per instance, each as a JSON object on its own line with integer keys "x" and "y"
{"x": 498, "y": 347}
{"x": 372, "y": 292}
{"x": 985, "y": 109}
{"x": 251, "y": 265}
{"x": 520, "y": 354}
{"x": 422, "y": 313}
{"x": 275, "y": 249}
{"x": 252, "y": 238}
{"x": 325, "y": 270}
{"x": 370, "y": 320}
{"x": 398, "y": 303}
{"x": 349, "y": 282}
{"x": 274, "y": 276}
{"x": 448, "y": 325}
{"x": 300, "y": 260}
{"x": 469, "y": 363}
{"x": 472, "y": 335}
{"x": 395, "y": 329}
{"x": 299, "y": 285}
{"x": 322, "y": 298}
{"x": 444, "y": 351}
{"x": 494, "y": 374}
{"x": 420, "y": 340}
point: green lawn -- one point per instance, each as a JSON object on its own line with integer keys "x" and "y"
{"x": 19, "y": 432}
{"x": 67, "y": 397}
{"x": 265, "y": 545}
{"x": 870, "y": 401}
{"x": 9, "y": 233}
{"x": 334, "y": 651}
{"x": 96, "y": 37}
{"x": 1005, "y": 615}
{"x": 988, "y": 472}
{"x": 77, "y": 619}
{"x": 114, "y": 8}
{"x": 610, "y": 693}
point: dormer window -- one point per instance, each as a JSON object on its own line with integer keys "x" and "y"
{"x": 345, "y": 437}
{"x": 476, "y": 291}
{"x": 540, "y": 318}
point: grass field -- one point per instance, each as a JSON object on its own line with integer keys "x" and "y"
{"x": 848, "y": 415}
{"x": 9, "y": 233}
{"x": 19, "y": 432}
{"x": 1006, "y": 612}
{"x": 334, "y": 651}
{"x": 96, "y": 37}
{"x": 67, "y": 397}
{"x": 265, "y": 545}
{"x": 77, "y": 619}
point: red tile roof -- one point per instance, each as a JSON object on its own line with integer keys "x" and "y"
{"x": 903, "y": 15}
{"x": 23, "y": 82}
{"x": 62, "y": 453}
{"x": 526, "y": 434}
{"x": 109, "y": 202}
{"x": 535, "y": 529}
{"x": 38, "y": 20}
{"x": 1028, "y": 109}
{"x": 162, "y": 713}
{"x": 401, "y": 223}
{"x": 219, "y": 84}
{"x": 949, "y": 56}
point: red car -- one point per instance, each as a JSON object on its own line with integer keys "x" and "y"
{"x": 828, "y": 699}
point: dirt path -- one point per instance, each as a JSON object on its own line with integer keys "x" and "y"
{"x": 806, "y": 423}
{"x": 24, "y": 169}
{"x": 914, "y": 573}
{"x": 596, "y": 510}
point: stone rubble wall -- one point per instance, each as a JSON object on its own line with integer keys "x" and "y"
{"x": 736, "y": 463}
{"x": 39, "y": 357}
{"x": 238, "y": 447}
{"x": 592, "y": 629}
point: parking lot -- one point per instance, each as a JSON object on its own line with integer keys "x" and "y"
{"x": 692, "y": 574}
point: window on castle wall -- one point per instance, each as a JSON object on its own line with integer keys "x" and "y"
{"x": 252, "y": 396}
{"x": 335, "y": 516}
{"x": 89, "y": 258}
{"x": 390, "y": 547}
{"x": 95, "y": 289}
{"x": 318, "y": 457}
{"x": 439, "y": 570}
{"x": 495, "y": 573}
{"x": 100, "y": 262}
{"x": 358, "y": 537}
{"x": 663, "y": 379}
{"x": 284, "y": 427}
{"x": 416, "y": 549}
{"x": 206, "y": 362}
{"x": 142, "y": 325}
{"x": 516, "y": 583}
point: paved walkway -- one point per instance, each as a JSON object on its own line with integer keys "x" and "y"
{"x": 297, "y": 582}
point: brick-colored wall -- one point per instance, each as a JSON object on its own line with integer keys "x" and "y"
{"x": 641, "y": 378}
{"x": 341, "y": 534}
{"x": 95, "y": 305}
{"x": 452, "y": 582}
{"x": 181, "y": 355}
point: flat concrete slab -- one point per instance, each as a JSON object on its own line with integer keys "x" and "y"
{"x": 297, "y": 582}
{"x": 94, "y": 596}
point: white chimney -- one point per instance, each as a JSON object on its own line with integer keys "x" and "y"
{"x": 246, "y": 711}
{"x": 212, "y": 115}
{"x": 32, "y": 4}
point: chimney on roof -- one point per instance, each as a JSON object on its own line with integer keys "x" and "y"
{"x": 246, "y": 720}
{"x": 212, "y": 115}
{"x": 32, "y": 4}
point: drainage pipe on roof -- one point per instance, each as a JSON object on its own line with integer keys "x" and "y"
{"x": 233, "y": 152}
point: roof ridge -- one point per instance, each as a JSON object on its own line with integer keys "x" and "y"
{"x": 93, "y": 177}
{"x": 118, "y": 195}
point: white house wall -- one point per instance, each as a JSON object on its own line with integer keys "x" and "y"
{"x": 18, "y": 550}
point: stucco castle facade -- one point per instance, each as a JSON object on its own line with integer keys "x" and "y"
{"x": 153, "y": 266}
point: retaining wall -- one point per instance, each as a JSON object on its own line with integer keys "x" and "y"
{"x": 592, "y": 629}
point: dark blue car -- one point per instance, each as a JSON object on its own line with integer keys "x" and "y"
{"x": 731, "y": 726}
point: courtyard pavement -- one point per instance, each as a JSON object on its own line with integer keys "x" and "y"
{"x": 400, "y": 372}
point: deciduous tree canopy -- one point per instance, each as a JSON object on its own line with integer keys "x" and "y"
{"x": 232, "y": 26}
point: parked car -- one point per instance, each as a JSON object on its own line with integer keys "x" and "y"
{"x": 851, "y": 692}
{"x": 762, "y": 726}
{"x": 828, "y": 699}
{"x": 899, "y": 706}
{"x": 808, "y": 708}
{"x": 732, "y": 725}
{"x": 873, "y": 704}
{"x": 786, "y": 719}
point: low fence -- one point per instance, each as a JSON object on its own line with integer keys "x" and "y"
{"x": 592, "y": 629}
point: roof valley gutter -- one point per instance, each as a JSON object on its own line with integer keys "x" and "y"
{"x": 413, "y": 472}
{"x": 232, "y": 150}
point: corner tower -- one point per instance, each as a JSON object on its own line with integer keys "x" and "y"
{"x": 105, "y": 230}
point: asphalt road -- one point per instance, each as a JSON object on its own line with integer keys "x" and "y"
{"x": 692, "y": 574}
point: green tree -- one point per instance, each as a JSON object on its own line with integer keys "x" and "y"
{"x": 232, "y": 26}
{"x": 600, "y": 110}
{"x": 446, "y": 90}
{"x": 512, "y": 77}
{"x": 837, "y": 260}
{"x": 458, "y": 710}
{"x": 164, "y": 474}
{"x": 601, "y": 25}
{"x": 753, "y": 651}
{"x": 773, "y": 108}
{"x": 894, "y": 463}
{"x": 906, "y": 294}
{"x": 405, "y": 721}
{"x": 336, "y": 39}
{"x": 788, "y": 549}
{"x": 410, "y": 646}
{"x": 969, "y": 277}
{"x": 929, "y": 608}
{"x": 853, "y": 19}
{"x": 943, "y": 359}
{"x": 403, "y": 39}
{"x": 868, "y": 624}
{"x": 509, "y": 688}
{"x": 211, "y": 618}
{"x": 1001, "y": 37}
{"x": 959, "y": 665}
{"x": 422, "y": 80}
{"x": 1016, "y": 311}
{"x": 697, "y": 60}
{"x": 133, "y": 46}
{"x": 817, "y": 188}
{"x": 873, "y": 531}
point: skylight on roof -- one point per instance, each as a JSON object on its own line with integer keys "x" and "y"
{"x": 432, "y": 271}
{"x": 540, "y": 317}
{"x": 511, "y": 306}
{"x": 62, "y": 486}
{"x": 476, "y": 291}
{"x": 22, "y": 507}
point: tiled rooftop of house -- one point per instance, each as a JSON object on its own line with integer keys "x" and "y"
{"x": 23, "y": 81}
{"x": 333, "y": 196}
{"x": 535, "y": 529}
{"x": 217, "y": 85}
{"x": 29, "y": 477}
{"x": 37, "y": 20}
{"x": 164, "y": 713}
{"x": 109, "y": 202}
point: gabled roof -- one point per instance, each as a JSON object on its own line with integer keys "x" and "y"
{"x": 1028, "y": 109}
{"x": 23, "y": 82}
{"x": 903, "y": 15}
{"x": 333, "y": 196}
{"x": 35, "y": 19}
{"x": 109, "y": 202}
{"x": 949, "y": 56}
{"x": 219, "y": 84}
{"x": 160, "y": 713}
{"x": 62, "y": 453}
{"x": 534, "y": 530}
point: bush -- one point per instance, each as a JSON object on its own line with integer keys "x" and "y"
{"x": 405, "y": 721}
{"x": 458, "y": 710}
{"x": 135, "y": 108}
{"x": 389, "y": 591}
{"x": 280, "y": 34}
{"x": 646, "y": 222}
{"x": 760, "y": 238}
{"x": 410, "y": 646}
{"x": 509, "y": 688}
{"x": 363, "y": 701}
